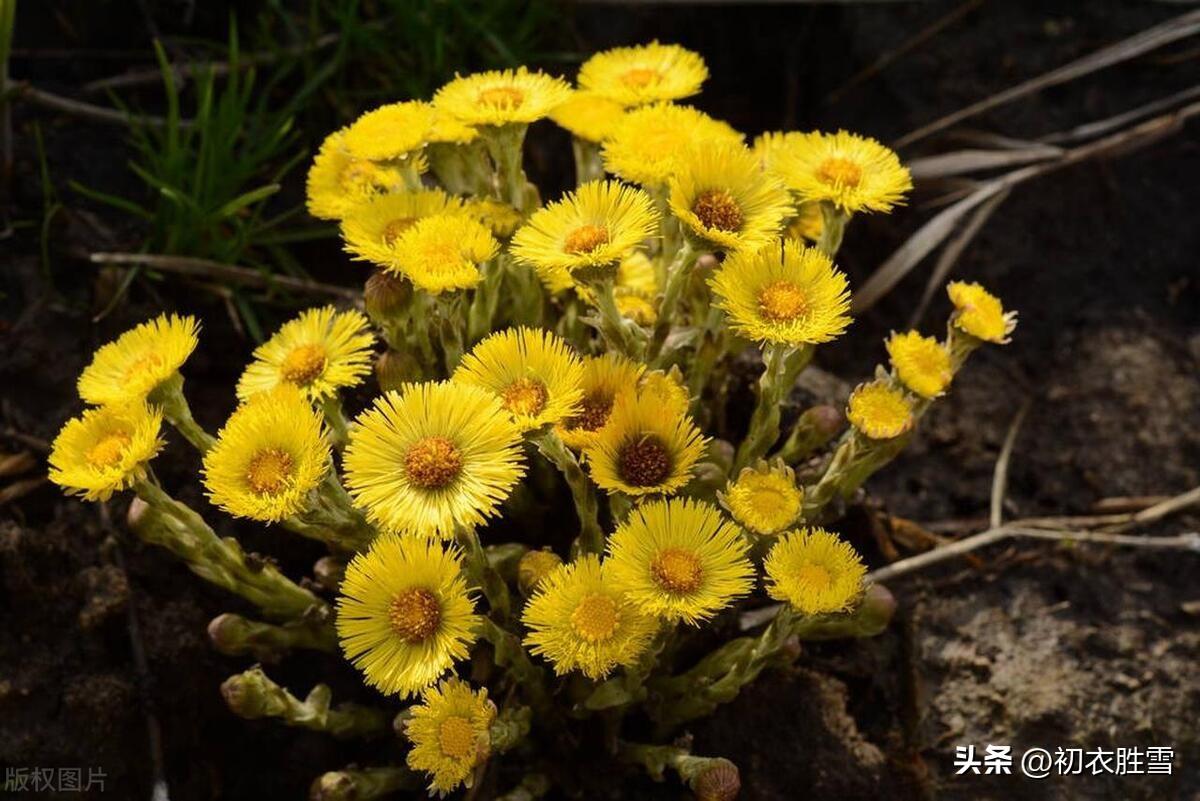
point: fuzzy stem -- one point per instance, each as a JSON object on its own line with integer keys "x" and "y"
{"x": 588, "y": 165}
{"x": 331, "y": 518}
{"x": 234, "y": 635}
{"x": 677, "y": 279}
{"x": 252, "y": 695}
{"x": 481, "y": 573}
{"x": 621, "y": 335}
{"x": 513, "y": 656}
{"x": 482, "y": 312}
{"x": 363, "y": 784}
{"x": 833, "y": 229}
{"x": 504, "y": 144}
{"x": 169, "y": 397}
{"x": 339, "y": 429}
{"x": 782, "y": 365}
{"x": 591, "y": 536}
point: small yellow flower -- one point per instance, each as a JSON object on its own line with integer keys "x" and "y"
{"x": 579, "y": 621}
{"x": 502, "y": 97}
{"x": 604, "y": 378}
{"x": 644, "y": 448}
{"x": 592, "y": 228}
{"x": 536, "y": 376}
{"x": 443, "y": 252}
{"x": 635, "y": 306}
{"x": 105, "y": 450}
{"x": 588, "y": 116}
{"x": 500, "y": 218}
{"x": 337, "y": 182}
{"x": 270, "y": 455}
{"x": 764, "y": 498}
{"x": 808, "y": 224}
{"x": 814, "y": 571}
{"x": 450, "y": 734}
{"x": 725, "y": 200}
{"x": 921, "y": 363}
{"x": 679, "y": 560}
{"x": 372, "y": 230}
{"x": 879, "y": 410}
{"x": 980, "y": 313}
{"x": 667, "y": 389}
{"x": 390, "y": 132}
{"x": 320, "y": 351}
{"x": 534, "y": 566}
{"x": 130, "y": 367}
{"x": 852, "y": 172}
{"x": 449, "y": 130}
{"x": 791, "y": 295}
{"x": 646, "y": 144}
{"x": 432, "y": 457}
{"x": 634, "y": 76}
{"x": 404, "y": 615}
{"x": 769, "y": 145}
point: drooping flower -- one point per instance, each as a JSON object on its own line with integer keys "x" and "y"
{"x": 764, "y": 498}
{"x": 879, "y": 410}
{"x": 134, "y": 364}
{"x": 921, "y": 363}
{"x": 980, "y": 313}
{"x": 853, "y": 173}
{"x": 501, "y": 97}
{"x": 814, "y": 571}
{"x": 105, "y": 450}
{"x": 449, "y": 731}
{"x": 634, "y": 76}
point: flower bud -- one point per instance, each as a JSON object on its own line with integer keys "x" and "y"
{"x": 136, "y": 516}
{"x": 394, "y": 368}
{"x": 720, "y": 781}
{"x": 329, "y": 572}
{"x": 244, "y": 694}
{"x": 875, "y": 610}
{"x": 535, "y": 566}
{"x": 333, "y": 786}
{"x": 386, "y": 295}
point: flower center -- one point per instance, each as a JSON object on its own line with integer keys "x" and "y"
{"x": 396, "y": 227}
{"x": 525, "y": 396}
{"x": 147, "y": 363}
{"x": 432, "y": 462}
{"x": 640, "y": 77}
{"x": 107, "y": 452}
{"x": 717, "y": 209}
{"x": 304, "y": 364}
{"x": 441, "y": 257}
{"x": 593, "y": 412}
{"x": 837, "y": 171}
{"x": 501, "y": 97}
{"x": 644, "y": 462}
{"x": 415, "y": 615}
{"x": 596, "y": 618}
{"x": 585, "y": 239}
{"x": 269, "y": 471}
{"x": 676, "y": 571}
{"x": 782, "y": 302}
{"x": 814, "y": 577}
{"x": 456, "y": 737}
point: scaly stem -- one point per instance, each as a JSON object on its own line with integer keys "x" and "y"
{"x": 253, "y": 695}
{"x": 169, "y": 397}
{"x": 504, "y": 144}
{"x": 482, "y": 314}
{"x": 511, "y": 654}
{"x": 332, "y": 518}
{"x": 833, "y": 228}
{"x": 588, "y": 165}
{"x": 365, "y": 784}
{"x": 621, "y": 334}
{"x": 234, "y": 635}
{"x": 339, "y": 429}
{"x": 677, "y": 278}
{"x": 481, "y": 573}
{"x": 782, "y": 365}
{"x": 591, "y": 537}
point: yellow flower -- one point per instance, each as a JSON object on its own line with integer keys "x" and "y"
{"x": 320, "y": 351}
{"x": 792, "y": 295}
{"x": 879, "y": 410}
{"x": 725, "y": 200}
{"x": 646, "y": 144}
{"x": 536, "y": 376}
{"x": 432, "y": 457}
{"x": 534, "y": 566}
{"x": 764, "y": 498}
{"x": 636, "y": 273}
{"x": 372, "y": 230}
{"x": 391, "y": 131}
{"x": 588, "y": 116}
{"x": 808, "y": 224}
{"x": 644, "y": 448}
{"x": 852, "y": 172}
{"x": 679, "y": 560}
{"x": 814, "y": 571}
{"x": 337, "y": 181}
{"x": 443, "y": 252}
{"x": 921, "y": 363}
{"x": 449, "y": 130}
{"x": 404, "y": 615}
{"x": 667, "y": 389}
{"x": 592, "y": 228}
{"x": 580, "y": 621}
{"x": 450, "y": 733}
{"x": 270, "y": 455}
{"x": 980, "y": 313}
{"x": 769, "y": 145}
{"x": 501, "y": 218}
{"x": 604, "y": 378}
{"x": 634, "y": 76}
{"x": 502, "y": 97}
{"x": 130, "y": 367}
{"x": 105, "y": 450}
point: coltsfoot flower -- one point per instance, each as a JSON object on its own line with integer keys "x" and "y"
{"x": 791, "y": 295}
{"x": 443, "y": 252}
{"x": 105, "y": 450}
{"x": 634, "y": 76}
{"x": 534, "y": 566}
{"x": 853, "y": 173}
{"x": 579, "y": 621}
{"x": 880, "y": 410}
{"x": 371, "y": 230}
{"x": 337, "y": 181}
{"x": 647, "y": 143}
{"x": 980, "y": 313}
{"x": 668, "y": 390}
{"x": 588, "y": 116}
{"x": 536, "y": 376}
{"x": 320, "y": 351}
{"x": 404, "y": 615}
{"x": 270, "y": 455}
{"x": 678, "y": 559}
{"x": 432, "y": 457}
{"x": 764, "y": 498}
{"x": 390, "y": 132}
{"x": 449, "y": 731}
{"x": 604, "y": 378}
{"x": 500, "y": 218}
{"x": 134, "y": 364}
{"x": 502, "y": 97}
{"x": 921, "y": 363}
{"x": 815, "y": 572}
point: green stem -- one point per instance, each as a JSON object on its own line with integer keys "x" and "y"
{"x": 677, "y": 279}
{"x": 504, "y": 144}
{"x": 339, "y": 429}
{"x": 621, "y": 334}
{"x": 513, "y": 656}
{"x": 169, "y": 397}
{"x": 482, "y": 313}
{"x": 833, "y": 228}
{"x": 450, "y": 330}
{"x": 253, "y": 695}
{"x": 591, "y": 536}
{"x": 364, "y": 784}
{"x": 783, "y": 364}
{"x": 481, "y": 573}
{"x": 588, "y": 164}
{"x": 331, "y": 518}
{"x": 234, "y": 635}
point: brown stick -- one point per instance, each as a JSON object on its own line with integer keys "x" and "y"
{"x": 76, "y": 108}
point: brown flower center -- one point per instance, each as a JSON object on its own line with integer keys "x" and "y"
{"x": 814, "y": 577}
{"x": 676, "y": 571}
{"x": 304, "y": 364}
{"x": 640, "y": 77}
{"x": 107, "y": 452}
{"x": 837, "y": 171}
{"x": 585, "y": 239}
{"x": 269, "y": 471}
{"x": 525, "y": 396}
{"x": 644, "y": 462}
{"x": 596, "y": 618}
{"x": 432, "y": 462}
{"x": 782, "y": 302}
{"x": 395, "y": 228}
{"x": 593, "y": 412}
{"x": 501, "y": 97}
{"x": 717, "y": 209}
{"x": 456, "y": 737}
{"x": 415, "y": 615}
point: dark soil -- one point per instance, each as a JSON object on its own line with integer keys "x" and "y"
{"x": 1030, "y": 646}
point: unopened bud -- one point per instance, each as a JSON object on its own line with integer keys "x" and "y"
{"x": 386, "y": 295}
{"x": 329, "y": 572}
{"x": 136, "y": 516}
{"x": 875, "y": 611}
{"x": 333, "y": 786}
{"x": 394, "y": 369}
{"x": 248, "y": 694}
{"x": 535, "y": 566}
{"x": 227, "y": 632}
{"x": 812, "y": 431}
{"x": 718, "y": 782}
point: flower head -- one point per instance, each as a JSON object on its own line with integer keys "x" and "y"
{"x": 320, "y": 351}
{"x": 432, "y": 457}
{"x": 764, "y": 498}
{"x": 605, "y": 377}
{"x": 449, "y": 731}
{"x": 791, "y": 295}
{"x": 502, "y": 97}
{"x": 646, "y": 144}
{"x": 852, "y": 172}
{"x": 270, "y": 455}
{"x": 105, "y": 450}
{"x": 337, "y": 181}
{"x": 879, "y": 410}
{"x": 443, "y": 252}
{"x": 500, "y": 218}
{"x": 980, "y": 313}
{"x": 449, "y": 130}
{"x": 536, "y": 376}
{"x": 580, "y": 621}
{"x": 404, "y": 615}
{"x": 921, "y": 363}
{"x": 534, "y": 566}
{"x": 679, "y": 560}
{"x": 814, "y": 571}
{"x": 390, "y": 132}
{"x": 808, "y": 224}
{"x": 634, "y": 76}
{"x": 372, "y": 229}
{"x": 130, "y": 367}
{"x": 667, "y": 389}
{"x": 588, "y": 116}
